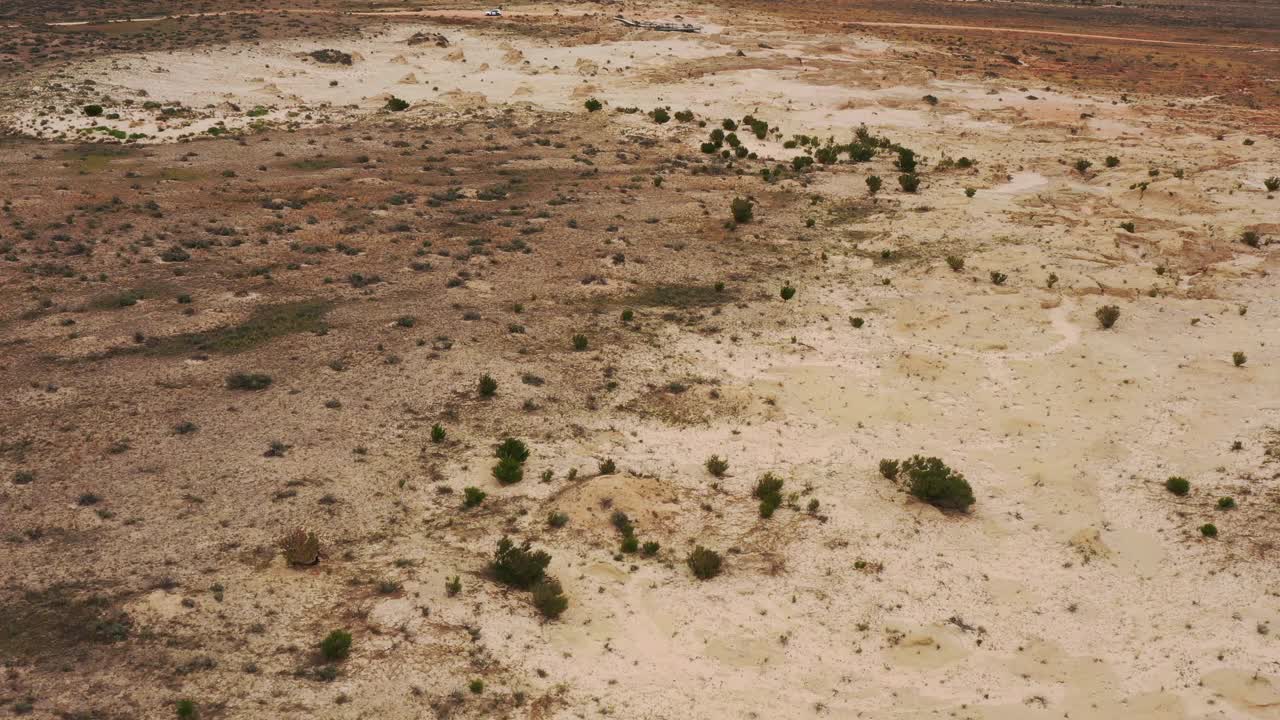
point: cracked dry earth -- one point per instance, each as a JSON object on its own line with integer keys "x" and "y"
{"x": 375, "y": 264}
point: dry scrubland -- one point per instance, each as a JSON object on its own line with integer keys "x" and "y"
{"x": 247, "y": 295}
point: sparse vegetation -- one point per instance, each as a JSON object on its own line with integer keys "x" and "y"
{"x": 742, "y": 210}
{"x": 768, "y": 491}
{"x": 929, "y": 479}
{"x": 336, "y": 645}
{"x": 717, "y": 466}
{"x": 1179, "y": 486}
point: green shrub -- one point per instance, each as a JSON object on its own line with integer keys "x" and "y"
{"x": 248, "y": 381}
{"x": 717, "y": 466}
{"x": 910, "y": 182}
{"x": 518, "y": 565}
{"x": 889, "y": 469}
{"x": 549, "y": 598}
{"x": 768, "y": 491}
{"x": 906, "y": 161}
{"x": 508, "y": 471}
{"x": 1112, "y": 161}
{"x": 1226, "y": 503}
{"x": 1107, "y": 316}
{"x": 660, "y": 115}
{"x": 630, "y": 544}
{"x": 579, "y": 342}
{"x": 1209, "y": 530}
{"x": 593, "y": 105}
{"x": 1082, "y": 166}
{"x": 873, "y": 184}
{"x": 406, "y": 321}
{"x": 998, "y": 278}
{"x": 488, "y": 387}
{"x": 395, "y": 104}
{"x": 1272, "y": 184}
{"x": 336, "y": 645}
{"x": 622, "y": 523}
{"x": 628, "y": 315}
{"x": 437, "y": 433}
{"x": 933, "y": 482}
{"x": 857, "y": 322}
{"x": 93, "y": 110}
{"x": 787, "y": 292}
{"x": 608, "y": 466}
{"x": 453, "y": 586}
{"x": 1128, "y": 226}
{"x": 955, "y": 262}
{"x": 970, "y": 192}
{"x": 513, "y": 449}
{"x": 187, "y": 710}
{"x": 476, "y": 686}
{"x": 1239, "y": 358}
{"x": 650, "y": 548}
{"x": 1179, "y": 486}
{"x": 1250, "y": 238}
{"x": 742, "y": 210}
{"x": 704, "y": 563}
{"x": 472, "y": 496}
{"x": 557, "y": 519}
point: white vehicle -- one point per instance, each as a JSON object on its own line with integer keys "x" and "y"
{"x": 493, "y": 13}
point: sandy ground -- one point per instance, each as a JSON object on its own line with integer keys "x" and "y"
{"x": 1076, "y": 588}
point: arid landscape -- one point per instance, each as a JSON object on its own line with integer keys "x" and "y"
{"x": 865, "y": 359}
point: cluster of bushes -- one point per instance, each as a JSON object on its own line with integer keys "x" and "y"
{"x": 511, "y": 454}
{"x": 520, "y": 566}
{"x": 631, "y": 543}
{"x": 929, "y": 479}
{"x": 768, "y": 491}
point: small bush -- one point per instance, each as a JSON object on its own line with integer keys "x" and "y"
{"x": 742, "y": 210}
{"x": 186, "y": 710}
{"x": 579, "y": 342}
{"x": 513, "y": 449}
{"x": 717, "y": 466}
{"x": 336, "y": 645}
{"x": 1209, "y": 530}
{"x": 998, "y": 278}
{"x": 768, "y": 491}
{"x": 549, "y": 598}
{"x": 472, "y": 496}
{"x": 476, "y": 686}
{"x": 1112, "y": 161}
{"x": 487, "y": 387}
{"x": 248, "y": 381}
{"x": 1179, "y": 486}
{"x": 650, "y": 548}
{"x": 1107, "y": 316}
{"x": 518, "y": 565}
{"x": 395, "y": 104}
{"x": 301, "y": 547}
{"x": 1272, "y": 184}
{"x": 910, "y": 182}
{"x": 1250, "y": 238}
{"x": 970, "y": 192}
{"x": 955, "y": 262}
{"x": 453, "y": 586}
{"x": 93, "y": 110}
{"x": 437, "y": 433}
{"x": 630, "y": 544}
{"x": 704, "y": 563}
{"x": 1226, "y": 503}
{"x": 557, "y": 519}
{"x": 857, "y": 322}
{"x": 1239, "y": 358}
{"x": 935, "y": 483}
{"x": 787, "y": 292}
{"x": 1082, "y": 166}
{"x": 660, "y": 115}
{"x": 508, "y": 471}
{"x": 873, "y": 184}
{"x": 1128, "y": 227}
{"x": 889, "y": 469}
{"x": 593, "y": 105}
{"x": 608, "y": 466}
